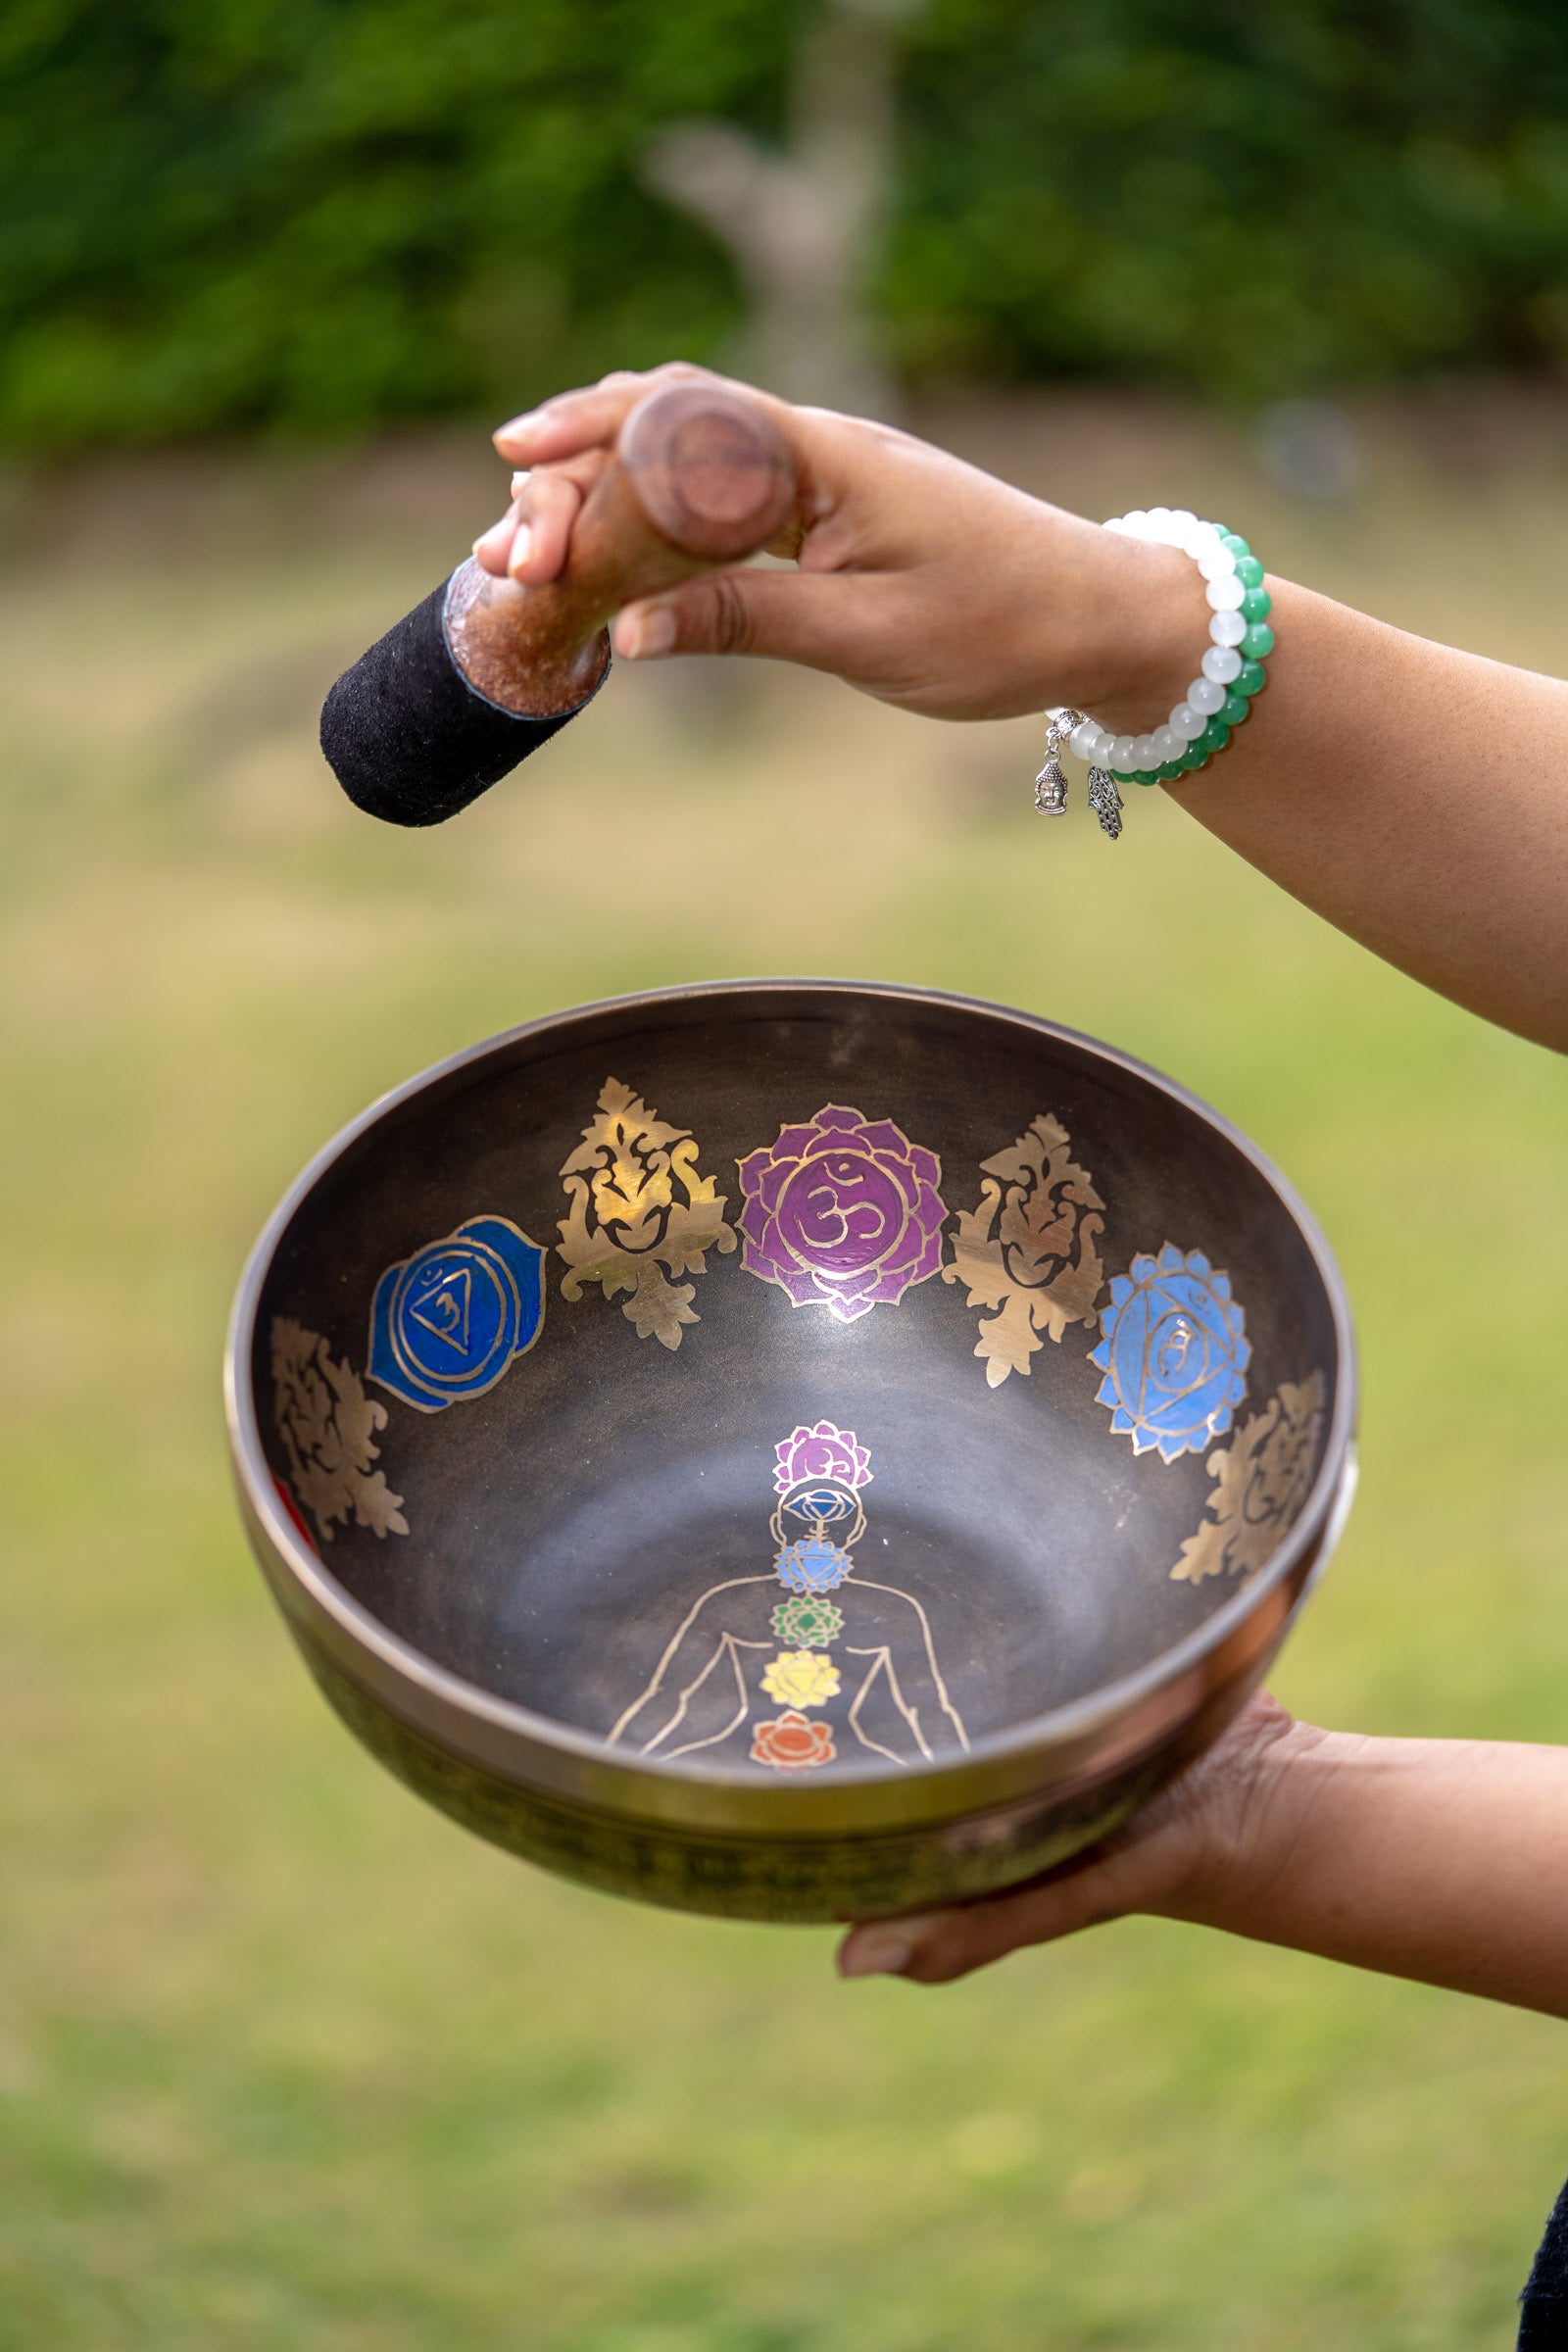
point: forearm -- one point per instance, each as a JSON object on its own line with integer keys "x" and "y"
{"x": 1442, "y": 1860}
{"x": 1415, "y": 796}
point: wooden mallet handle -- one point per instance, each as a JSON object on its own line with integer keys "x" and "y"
{"x": 484, "y": 670}
{"x": 700, "y": 476}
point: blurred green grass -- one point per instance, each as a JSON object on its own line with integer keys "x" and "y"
{"x": 286, "y": 2061}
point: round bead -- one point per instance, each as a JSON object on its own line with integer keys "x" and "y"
{"x": 1193, "y": 756}
{"x": 1225, "y": 596}
{"x": 1236, "y": 543}
{"x": 1258, "y": 643}
{"x": 1122, "y": 775}
{"x": 1234, "y": 709}
{"x": 1185, "y": 723}
{"x": 1251, "y": 681}
{"x": 1144, "y": 752}
{"x": 1216, "y": 736}
{"x": 1205, "y": 695}
{"x": 1168, "y": 770}
{"x": 1146, "y": 775}
{"x": 1183, "y": 521}
{"x": 1166, "y": 745}
{"x": 1222, "y": 662}
{"x": 1228, "y": 628}
{"x": 1217, "y": 562}
{"x": 1124, "y": 753}
{"x": 1257, "y": 604}
{"x": 1084, "y": 740}
{"x": 1249, "y": 571}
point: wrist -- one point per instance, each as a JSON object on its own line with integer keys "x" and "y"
{"x": 1138, "y": 627}
{"x": 1251, "y": 1821}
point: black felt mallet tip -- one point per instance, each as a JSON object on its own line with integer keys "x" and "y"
{"x": 484, "y": 672}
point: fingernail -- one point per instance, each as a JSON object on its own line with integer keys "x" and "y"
{"x": 492, "y": 537}
{"x": 520, "y": 482}
{"x": 521, "y": 547}
{"x": 640, "y": 636}
{"x": 516, "y": 426}
{"x": 874, "y": 1955}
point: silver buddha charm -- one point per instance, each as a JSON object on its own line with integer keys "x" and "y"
{"x": 1050, "y": 785}
{"x": 1051, "y": 790}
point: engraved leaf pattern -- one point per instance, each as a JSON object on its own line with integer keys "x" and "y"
{"x": 1262, "y": 1481}
{"x": 638, "y": 1210}
{"x": 1029, "y": 1248}
{"x": 328, "y": 1425}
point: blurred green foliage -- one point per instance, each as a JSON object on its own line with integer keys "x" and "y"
{"x": 344, "y": 211}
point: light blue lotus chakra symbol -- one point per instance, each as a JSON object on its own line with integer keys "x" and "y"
{"x": 1173, "y": 1352}
{"x": 812, "y": 1565}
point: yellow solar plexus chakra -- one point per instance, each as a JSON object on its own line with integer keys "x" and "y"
{"x": 802, "y": 1678}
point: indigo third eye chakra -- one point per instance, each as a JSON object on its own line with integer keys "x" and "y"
{"x": 446, "y": 1322}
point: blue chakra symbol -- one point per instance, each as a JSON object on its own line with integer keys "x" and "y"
{"x": 1173, "y": 1354}
{"x": 812, "y": 1565}
{"x": 447, "y": 1322}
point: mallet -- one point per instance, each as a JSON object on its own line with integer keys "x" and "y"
{"x": 485, "y": 670}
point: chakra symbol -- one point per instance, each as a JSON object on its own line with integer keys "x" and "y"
{"x": 447, "y": 1322}
{"x": 821, "y": 1451}
{"x": 806, "y": 1621}
{"x": 1173, "y": 1354}
{"x": 798, "y": 1678}
{"x": 843, "y": 1212}
{"x": 812, "y": 1565}
{"x": 792, "y": 1742}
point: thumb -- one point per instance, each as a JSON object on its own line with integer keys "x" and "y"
{"x": 779, "y": 616}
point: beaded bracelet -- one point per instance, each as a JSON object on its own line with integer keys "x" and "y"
{"x": 1215, "y": 703}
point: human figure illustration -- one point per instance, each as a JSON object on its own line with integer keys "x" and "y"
{"x": 811, "y": 1661}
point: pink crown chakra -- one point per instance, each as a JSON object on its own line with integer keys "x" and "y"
{"x": 822, "y": 1451}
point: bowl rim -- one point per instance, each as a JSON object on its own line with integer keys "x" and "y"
{"x": 949, "y": 1786}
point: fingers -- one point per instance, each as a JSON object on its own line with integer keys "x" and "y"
{"x": 530, "y": 541}
{"x": 811, "y": 617}
{"x": 936, "y": 1946}
{"x": 589, "y": 417}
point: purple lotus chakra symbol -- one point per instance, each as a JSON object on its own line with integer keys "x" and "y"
{"x": 844, "y": 1214}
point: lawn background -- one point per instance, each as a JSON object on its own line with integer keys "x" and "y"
{"x": 287, "y": 2061}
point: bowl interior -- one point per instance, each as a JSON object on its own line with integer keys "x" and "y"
{"x": 793, "y": 1378}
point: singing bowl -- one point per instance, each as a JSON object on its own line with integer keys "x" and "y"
{"x": 790, "y": 1449}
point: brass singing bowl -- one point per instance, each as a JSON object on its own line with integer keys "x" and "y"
{"x": 790, "y": 1449}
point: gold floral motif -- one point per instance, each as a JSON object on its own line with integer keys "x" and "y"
{"x": 802, "y": 1678}
{"x": 637, "y": 1205}
{"x": 327, "y": 1426}
{"x": 1029, "y": 1248}
{"x": 1262, "y": 1481}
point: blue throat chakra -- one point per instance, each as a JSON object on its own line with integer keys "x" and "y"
{"x": 1174, "y": 1354}
{"x": 812, "y": 1565}
{"x": 446, "y": 1322}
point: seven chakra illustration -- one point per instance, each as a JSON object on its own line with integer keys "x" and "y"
{"x": 1173, "y": 1354}
{"x": 1262, "y": 1479}
{"x": 446, "y": 1322}
{"x": 328, "y": 1425}
{"x": 1029, "y": 1249}
{"x": 638, "y": 1210}
{"x": 843, "y": 1212}
{"x": 702, "y": 1691}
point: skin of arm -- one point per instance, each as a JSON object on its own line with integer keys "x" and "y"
{"x": 1415, "y": 796}
{"x": 1444, "y": 1860}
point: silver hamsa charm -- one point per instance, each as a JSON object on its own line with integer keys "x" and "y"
{"x": 1105, "y": 801}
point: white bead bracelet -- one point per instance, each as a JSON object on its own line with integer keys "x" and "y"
{"x": 1217, "y": 701}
